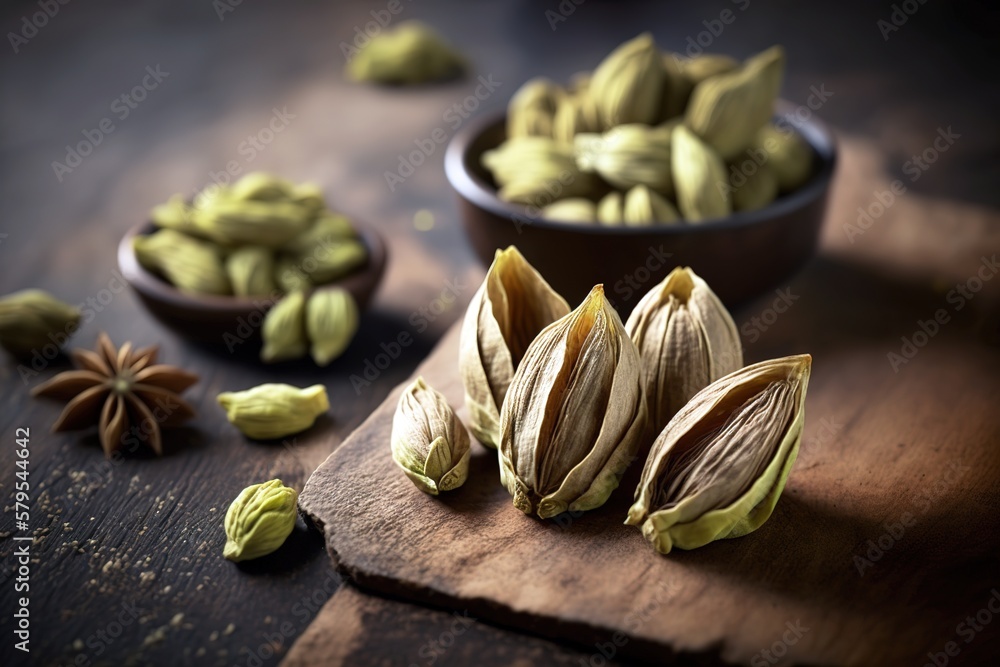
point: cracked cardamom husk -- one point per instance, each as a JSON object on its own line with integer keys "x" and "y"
{"x": 627, "y": 85}
{"x": 699, "y": 178}
{"x": 687, "y": 340}
{"x": 512, "y": 305}
{"x": 271, "y": 411}
{"x": 331, "y": 322}
{"x": 31, "y": 319}
{"x": 717, "y": 469}
{"x": 429, "y": 442}
{"x": 260, "y": 520}
{"x": 574, "y": 416}
{"x": 284, "y": 329}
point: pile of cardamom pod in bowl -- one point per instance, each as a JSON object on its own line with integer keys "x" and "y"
{"x": 697, "y": 154}
{"x": 262, "y": 265}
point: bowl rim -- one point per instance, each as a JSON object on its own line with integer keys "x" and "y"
{"x": 149, "y": 284}
{"x": 483, "y": 195}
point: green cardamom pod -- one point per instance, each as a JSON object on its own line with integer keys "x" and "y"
{"x": 327, "y": 228}
{"x": 175, "y": 214}
{"x": 333, "y": 260}
{"x": 260, "y": 186}
{"x": 699, "y": 178}
{"x": 529, "y": 169}
{"x": 271, "y": 411}
{"x": 230, "y": 221}
{"x": 707, "y": 65}
{"x": 310, "y": 197}
{"x": 628, "y": 155}
{"x": 531, "y": 109}
{"x": 331, "y": 322}
{"x": 284, "y": 331}
{"x": 32, "y": 319}
{"x": 574, "y": 209}
{"x": 251, "y": 271}
{"x": 411, "y": 53}
{"x": 677, "y": 87}
{"x": 428, "y": 440}
{"x": 758, "y": 190}
{"x": 610, "y": 209}
{"x": 646, "y": 207}
{"x": 260, "y": 520}
{"x": 575, "y": 114}
{"x": 628, "y": 84}
{"x": 789, "y": 156}
{"x": 717, "y": 469}
{"x": 288, "y": 274}
{"x": 191, "y": 265}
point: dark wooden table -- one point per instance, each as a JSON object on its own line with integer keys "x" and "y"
{"x": 126, "y": 563}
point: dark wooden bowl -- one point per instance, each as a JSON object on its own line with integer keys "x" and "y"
{"x": 229, "y": 321}
{"x": 741, "y": 256}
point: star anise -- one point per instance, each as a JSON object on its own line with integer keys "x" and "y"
{"x": 121, "y": 390}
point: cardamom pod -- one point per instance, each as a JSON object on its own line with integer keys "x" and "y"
{"x": 574, "y": 209}
{"x": 628, "y": 84}
{"x": 310, "y": 197}
{"x": 174, "y": 214}
{"x": 757, "y": 191}
{"x": 727, "y": 110}
{"x": 575, "y": 114}
{"x": 789, "y": 156}
{"x": 628, "y": 155}
{"x": 260, "y": 520}
{"x": 574, "y": 416}
{"x": 331, "y": 322}
{"x": 33, "y": 319}
{"x": 687, "y": 340}
{"x": 271, "y": 411}
{"x": 707, "y": 65}
{"x": 645, "y": 207}
{"x": 260, "y": 186}
{"x": 283, "y": 330}
{"x": 529, "y": 169}
{"x": 610, "y": 209}
{"x": 676, "y": 87}
{"x": 717, "y": 469}
{"x": 190, "y": 265}
{"x": 251, "y": 271}
{"x": 411, "y": 53}
{"x": 429, "y": 442}
{"x": 230, "y": 221}
{"x": 289, "y": 275}
{"x": 532, "y": 108}
{"x": 699, "y": 178}
{"x": 508, "y": 310}
{"x": 334, "y": 260}
{"x": 327, "y": 228}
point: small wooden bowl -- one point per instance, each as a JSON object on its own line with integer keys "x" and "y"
{"x": 741, "y": 256}
{"x": 231, "y": 321}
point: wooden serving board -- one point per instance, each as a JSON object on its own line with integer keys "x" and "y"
{"x": 883, "y": 543}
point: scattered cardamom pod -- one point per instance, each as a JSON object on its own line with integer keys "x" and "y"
{"x": 628, "y": 155}
{"x": 512, "y": 305}
{"x": 574, "y": 415}
{"x": 610, "y": 209}
{"x": 707, "y": 65}
{"x": 717, "y": 469}
{"x": 251, "y": 271}
{"x": 628, "y": 84}
{"x": 271, "y": 411}
{"x": 331, "y": 322}
{"x": 260, "y": 520}
{"x": 574, "y": 209}
{"x": 530, "y": 169}
{"x": 789, "y": 156}
{"x": 687, "y": 340}
{"x": 645, "y": 207}
{"x": 532, "y": 108}
{"x": 32, "y": 319}
{"x": 334, "y": 260}
{"x": 699, "y": 178}
{"x": 192, "y": 266}
{"x": 283, "y": 330}
{"x": 727, "y": 110}
{"x": 411, "y": 53}
{"x": 429, "y": 441}
{"x": 759, "y": 189}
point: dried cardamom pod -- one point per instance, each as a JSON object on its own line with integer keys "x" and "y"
{"x": 310, "y": 197}
{"x": 699, "y": 178}
{"x": 331, "y": 322}
{"x": 628, "y": 155}
{"x": 610, "y": 209}
{"x": 789, "y": 156}
{"x": 532, "y": 108}
{"x": 334, "y": 260}
{"x": 283, "y": 330}
{"x": 192, "y": 266}
{"x": 575, "y": 114}
{"x": 727, "y": 110}
{"x": 271, "y": 411}
{"x": 718, "y": 468}
{"x": 530, "y": 169}
{"x": 411, "y": 53}
{"x": 259, "y": 186}
{"x": 174, "y": 214}
{"x": 758, "y": 190}
{"x": 676, "y": 87}
{"x": 513, "y": 304}
{"x": 574, "y": 209}
{"x": 644, "y": 207}
{"x": 429, "y": 441}
{"x": 628, "y": 84}
{"x": 707, "y": 65}
{"x": 260, "y": 520}
{"x": 327, "y": 228}
{"x": 251, "y": 271}
{"x": 687, "y": 340}
{"x": 33, "y": 319}
{"x": 288, "y": 274}
{"x": 574, "y": 416}
{"x": 231, "y": 221}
